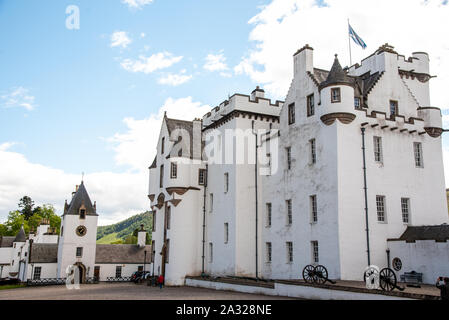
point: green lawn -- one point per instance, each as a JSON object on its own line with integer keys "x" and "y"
{"x": 107, "y": 239}
{"x": 12, "y": 286}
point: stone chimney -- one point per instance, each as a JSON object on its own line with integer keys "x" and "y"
{"x": 257, "y": 93}
{"x": 303, "y": 60}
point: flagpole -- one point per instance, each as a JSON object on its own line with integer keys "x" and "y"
{"x": 350, "y": 53}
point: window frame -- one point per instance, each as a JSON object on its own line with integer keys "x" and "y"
{"x": 288, "y": 151}
{"x": 37, "y": 272}
{"x": 268, "y": 252}
{"x": 418, "y": 154}
{"x": 394, "y": 103}
{"x": 405, "y": 210}
{"x": 315, "y": 251}
{"x": 226, "y": 232}
{"x": 381, "y": 209}
{"x": 211, "y": 252}
{"x": 269, "y": 208}
{"x": 335, "y": 98}
{"x": 289, "y": 247}
{"x": 226, "y": 182}
{"x": 357, "y": 102}
{"x": 173, "y": 170}
{"x": 291, "y": 114}
{"x": 378, "y": 149}
{"x": 289, "y": 207}
{"x": 313, "y": 155}
{"x": 118, "y": 271}
{"x": 313, "y": 209}
{"x": 161, "y": 176}
{"x": 79, "y": 252}
{"x": 311, "y": 105}
{"x": 202, "y": 179}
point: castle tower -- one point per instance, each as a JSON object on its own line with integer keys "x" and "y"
{"x": 77, "y": 243}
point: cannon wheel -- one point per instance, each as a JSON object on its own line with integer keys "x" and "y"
{"x": 308, "y": 274}
{"x": 387, "y": 279}
{"x": 321, "y": 275}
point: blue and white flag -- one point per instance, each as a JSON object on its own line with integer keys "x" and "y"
{"x": 356, "y": 38}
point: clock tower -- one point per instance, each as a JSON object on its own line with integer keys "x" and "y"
{"x": 78, "y": 236}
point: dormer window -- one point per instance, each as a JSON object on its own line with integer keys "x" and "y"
{"x": 82, "y": 213}
{"x": 335, "y": 95}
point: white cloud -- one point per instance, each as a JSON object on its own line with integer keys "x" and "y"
{"x": 118, "y": 195}
{"x": 18, "y": 97}
{"x": 150, "y": 64}
{"x": 175, "y": 79}
{"x": 137, "y": 147}
{"x": 282, "y": 27}
{"x": 215, "y": 62}
{"x": 120, "y": 39}
{"x": 136, "y": 4}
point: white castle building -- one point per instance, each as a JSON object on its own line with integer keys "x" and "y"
{"x": 47, "y": 255}
{"x": 349, "y": 173}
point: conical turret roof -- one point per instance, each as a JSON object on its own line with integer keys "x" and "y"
{"x": 81, "y": 199}
{"x": 21, "y": 236}
{"x": 337, "y": 76}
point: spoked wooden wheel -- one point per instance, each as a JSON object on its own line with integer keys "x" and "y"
{"x": 320, "y": 274}
{"x": 308, "y": 274}
{"x": 387, "y": 279}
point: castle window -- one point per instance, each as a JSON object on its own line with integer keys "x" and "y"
{"x": 335, "y": 95}
{"x": 269, "y": 206}
{"x": 82, "y": 213}
{"x": 378, "y": 149}
{"x": 269, "y": 251}
{"x": 291, "y": 113}
{"x": 161, "y": 177}
{"x": 163, "y": 145}
{"x": 168, "y": 217}
{"x": 118, "y": 271}
{"x": 405, "y": 208}
{"x": 79, "y": 252}
{"x": 394, "y": 109}
{"x": 226, "y": 232}
{"x": 312, "y": 151}
{"x": 417, "y": 146}
{"x": 357, "y": 103}
{"x": 289, "y": 157}
{"x": 226, "y": 182}
{"x": 211, "y": 252}
{"x": 211, "y": 202}
{"x": 310, "y": 105}
{"x": 289, "y": 246}
{"x": 315, "y": 252}
{"x": 202, "y": 177}
{"x": 380, "y": 206}
{"x": 174, "y": 170}
{"x": 37, "y": 273}
{"x": 313, "y": 209}
{"x": 289, "y": 212}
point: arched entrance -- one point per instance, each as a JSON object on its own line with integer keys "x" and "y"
{"x": 81, "y": 272}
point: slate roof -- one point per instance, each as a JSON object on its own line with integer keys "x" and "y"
{"x": 80, "y": 198}
{"x": 173, "y": 124}
{"x": 21, "y": 236}
{"x": 6, "y": 242}
{"x": 44, "y": 253}
{"x": 337, "y": 75}
{"x": 121, "y": 253}
{"x": 438, "y": 233}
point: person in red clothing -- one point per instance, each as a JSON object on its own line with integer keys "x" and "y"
{"x": 160, "y": 280}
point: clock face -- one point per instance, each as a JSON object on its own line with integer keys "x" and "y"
{"x": 81, "y": 231}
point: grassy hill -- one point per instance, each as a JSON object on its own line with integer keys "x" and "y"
{"x": 122, "y": 232}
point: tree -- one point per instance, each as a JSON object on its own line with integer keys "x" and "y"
{"x": 26, "y": 205}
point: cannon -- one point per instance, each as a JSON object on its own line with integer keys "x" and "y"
{"x": 316, "y": 274}
{"x": 387, "y": 278}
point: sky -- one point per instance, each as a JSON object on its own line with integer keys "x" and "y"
{"x": 90, "y": 96}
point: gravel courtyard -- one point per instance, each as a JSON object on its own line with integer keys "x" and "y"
{"x": 126, "y": 291}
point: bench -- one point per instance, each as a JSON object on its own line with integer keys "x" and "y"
{"x": 412, "y": 279}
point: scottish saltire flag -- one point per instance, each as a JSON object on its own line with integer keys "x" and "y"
{"x": 356, "y": 38}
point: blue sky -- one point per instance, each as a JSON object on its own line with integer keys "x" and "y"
{"x": 81, "y": 92}
{"x": 91, "y": 100}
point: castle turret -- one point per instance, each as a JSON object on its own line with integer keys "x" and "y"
{"x": 337, "y": 96}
